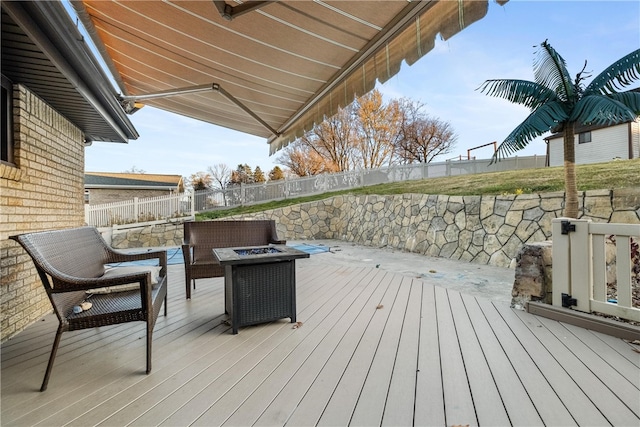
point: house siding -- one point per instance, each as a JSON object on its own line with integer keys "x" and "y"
{"x": 635, "y": 139}
{"x": 606, "y": 144}
{"x": 44, "y": 190}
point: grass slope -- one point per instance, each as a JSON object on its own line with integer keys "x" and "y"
{"x": 600, "y": 176}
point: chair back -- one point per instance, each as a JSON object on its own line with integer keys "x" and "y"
{"x": 79, "y": 252}
{"x": 204, "y": 236}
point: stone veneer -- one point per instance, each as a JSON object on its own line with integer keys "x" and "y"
{"x": 42, "y": 190}
{"x": 480, "y": 229}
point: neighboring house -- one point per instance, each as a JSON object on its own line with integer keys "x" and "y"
{"x": 55, "y": 99}
{"x": 107, "y": 187}
{"x": 596, "y": 144}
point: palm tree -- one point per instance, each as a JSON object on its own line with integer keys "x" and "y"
{"x": 558, "y": 104}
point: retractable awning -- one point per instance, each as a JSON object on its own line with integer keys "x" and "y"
{"x": 267, "y": 68}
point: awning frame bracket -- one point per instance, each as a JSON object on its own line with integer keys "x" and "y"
{"x": 229, "y": 12}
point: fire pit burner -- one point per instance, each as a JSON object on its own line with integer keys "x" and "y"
{"x": 256, "y": 251}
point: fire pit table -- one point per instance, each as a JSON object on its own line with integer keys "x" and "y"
{"x": 259, "y": 283}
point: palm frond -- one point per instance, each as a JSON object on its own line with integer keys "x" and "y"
{"x": 601, "y": 110}
{"x": 617, "y": 76}
{"x": 550, "y": 70}
{"x": 530, "y": 94}
{"x": 539, "y": 121}
{"x": 629, "y": 98}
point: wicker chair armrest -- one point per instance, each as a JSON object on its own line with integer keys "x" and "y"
{"x": 278, "y": 242}
{"x": 122, "y": 256}
{"x": 65, "y": 283}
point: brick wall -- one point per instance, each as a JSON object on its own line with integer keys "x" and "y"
{"x": 43, "y": 191}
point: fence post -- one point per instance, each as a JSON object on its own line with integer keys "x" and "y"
{"x": 136, "y": 208}
{"x": 581, "y": 264}
{"x": 572, "y": 262}
{"x": 561, "y": 275}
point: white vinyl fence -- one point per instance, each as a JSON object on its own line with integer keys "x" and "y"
{"x": 186, "y": 204}
{"x": 140, "y": 210}
{"x": 247, "y": 194}
{"x": 596, "y": 267}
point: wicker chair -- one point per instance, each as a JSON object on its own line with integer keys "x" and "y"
{"x": 201, "y": 237}
{"x": 71, "y": 262}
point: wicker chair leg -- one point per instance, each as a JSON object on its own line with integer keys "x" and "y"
{"x": 54, "y": 350}
{"x": 187, "y": 281}
{"x": 149, "y": 335}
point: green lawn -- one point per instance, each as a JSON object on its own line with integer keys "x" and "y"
{"x": 611, "y": 175}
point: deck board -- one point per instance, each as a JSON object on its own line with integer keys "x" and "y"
{"x": 300, "y": 400}
{"x": 572, "y": 396}
{"x": 345, "y": 394}
{"x": 429, "y": 404}
{"x": 400, "y": 402}
{"x": 626, "y": 394}
{"x": 514, "y": 394}
{"x": 551, "y": 335}
{"x": 286, "y": 360}
{"x": 374, "y": 347}
{"x": 549, "y": 407}
{"x": 458, "y": 401}
{"x": 487, "y": 401}
{"x": 297, "y": 374}
{"x": 373, "y": 397}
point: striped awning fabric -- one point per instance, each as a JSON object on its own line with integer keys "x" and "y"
{"x": 267, "y": 68}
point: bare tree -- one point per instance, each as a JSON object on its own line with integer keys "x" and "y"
{"x": 134, "y": 169}
{"x": 422, "y": 138}
{"x": 220, "y": 174}
{"x": 370, "y": 133}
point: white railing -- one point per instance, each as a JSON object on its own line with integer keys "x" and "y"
{"x": 140, "y": 210}
{"x": 247, "y": 194}
{"x": 596, "y": 267}
{"x": 155, "y": 208}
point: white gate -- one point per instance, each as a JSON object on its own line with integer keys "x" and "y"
{"x": 581, "y": 269}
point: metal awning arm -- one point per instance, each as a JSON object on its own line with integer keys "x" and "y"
{"x": 246, "y": 109}
{"x": 127, "y": 99}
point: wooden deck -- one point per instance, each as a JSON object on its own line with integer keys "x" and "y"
{"x": 375, "y": 348}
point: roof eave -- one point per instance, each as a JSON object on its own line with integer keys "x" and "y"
{"x": 50, "y": 27}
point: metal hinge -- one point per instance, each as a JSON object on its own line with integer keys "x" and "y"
{"x": 567, "y": 301}
{"x": 566, "y": 227}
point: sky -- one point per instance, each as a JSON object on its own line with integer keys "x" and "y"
{"x": 500, "y": 46}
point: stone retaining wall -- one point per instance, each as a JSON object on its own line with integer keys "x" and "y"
{"x": 480, "y": 229}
